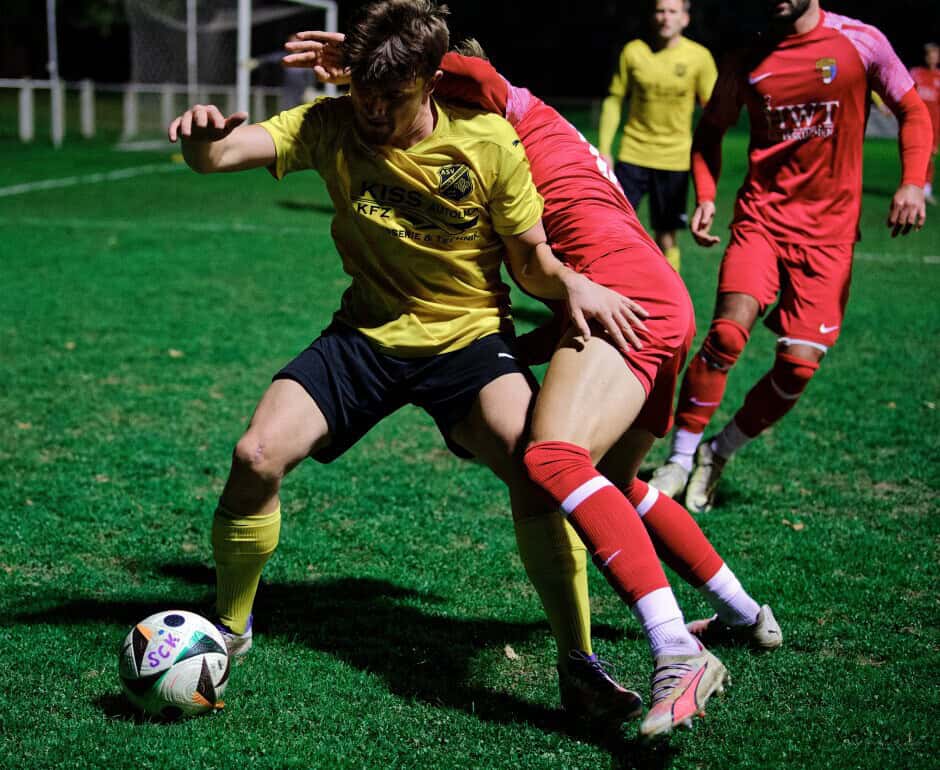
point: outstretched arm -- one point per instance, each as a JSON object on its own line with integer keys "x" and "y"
{"x": 540, "y": 273}
{"x": 212, "y": 142}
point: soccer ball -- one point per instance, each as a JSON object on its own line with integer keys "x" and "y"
{"x": 174, "y": 664}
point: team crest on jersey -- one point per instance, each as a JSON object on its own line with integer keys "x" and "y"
{"x": 456, "y": 182}
{"x": 680, "y": 70}
{"x": 828, "y": 69}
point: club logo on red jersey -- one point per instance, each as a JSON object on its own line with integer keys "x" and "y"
{"x": 828, "y": 69}
{"x": 456, "y": 182}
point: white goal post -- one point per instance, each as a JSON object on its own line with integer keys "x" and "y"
{"x": 243, "y": 65}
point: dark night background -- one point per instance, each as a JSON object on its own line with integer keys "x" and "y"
{"x": 564, "y": 48}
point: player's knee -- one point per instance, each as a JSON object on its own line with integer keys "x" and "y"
{"x": 254, "y": 457}
{"x": 725, "y": 343}
{"x": 549, "y": 462}
{"x": 792, "y": 374}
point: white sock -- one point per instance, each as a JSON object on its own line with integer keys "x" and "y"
{"x": 728, "y": 598}
{"x": 730, "y": 440}
{"x": 661, "y": 618}
{"x": 684, "y": 444}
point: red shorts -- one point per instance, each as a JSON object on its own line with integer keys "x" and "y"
{"x": 813, "y": 282}
{"x": 646, "y": 277}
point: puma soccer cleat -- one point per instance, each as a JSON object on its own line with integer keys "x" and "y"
{"x": 764, "y": 634}
{"x": 236, "y": 644}
{"x": 681, "y": 686}
{"x": 670, "y": 479}
{"x": 589, "y": 693}
{"x": 700, "y": 493}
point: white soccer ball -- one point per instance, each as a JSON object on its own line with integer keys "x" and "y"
{"x": 174, "y": 664}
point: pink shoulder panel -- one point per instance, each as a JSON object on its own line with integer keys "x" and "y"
{"x": 886, "y": 74}
{"x": 518, "y": 103}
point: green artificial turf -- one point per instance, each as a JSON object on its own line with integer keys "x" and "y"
{"x": 140, "y": 320}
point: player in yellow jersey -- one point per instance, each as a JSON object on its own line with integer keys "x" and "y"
{"x": 429, "y": 199}
{"x": 661, "y": 79}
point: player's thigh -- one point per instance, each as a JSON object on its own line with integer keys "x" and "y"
{"x": 589, "y": 397}
{"x": 749, "y": 278}
{"x": 287, "y": 426}
{"x": 669, "y": 195}
{"x": 495, "y": 428}
{"x": 814, "y": 296}
{"x": 634, "y": 181}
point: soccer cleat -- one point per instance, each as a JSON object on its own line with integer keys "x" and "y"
{"x": 236, "y": 644}
{"x": 764, "y": 634}
{"x": 670, "y": 479}
{"x": 930, "y": 200}
{"x": 681, "y": 686}
{"x": 588, "y": 692}
{"x": 700, "y": 494}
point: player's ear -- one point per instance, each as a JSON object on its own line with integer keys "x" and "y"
{"x": 432, "y": 82}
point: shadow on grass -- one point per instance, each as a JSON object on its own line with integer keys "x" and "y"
{"x": 370, "y": 625}
{"x": 317, "y": 208}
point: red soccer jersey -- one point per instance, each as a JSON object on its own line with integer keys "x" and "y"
{"x": 928, "y": 86}
{"x": 807, "y": 97}
{"x": 566, "y": 168}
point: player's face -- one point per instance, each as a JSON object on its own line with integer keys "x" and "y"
{"x": 669, "y": 19}
{"x": 386, "y": 112}
{"x": 787, "y": 10}
{"x": 932, "y": 58}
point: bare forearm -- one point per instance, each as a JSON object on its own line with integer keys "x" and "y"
{"x": 541, "y": 274}
{"x": 706, "y": 160}
{"x": 201, "y": 157}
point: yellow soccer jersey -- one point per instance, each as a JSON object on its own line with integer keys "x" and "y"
{"x": 417, "y": 229}
{"x": 662, "y": 87}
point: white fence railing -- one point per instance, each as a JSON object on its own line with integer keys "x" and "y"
{"x": 168, "y": 95}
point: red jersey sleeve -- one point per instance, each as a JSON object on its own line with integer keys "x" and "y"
{"x": 473, "y": 81}
{"x": 725, "y": 104}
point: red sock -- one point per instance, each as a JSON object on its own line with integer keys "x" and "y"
{"x": 601, "y": 515}
{"x": 679, "y": 541}
{"x": 703, "y": 386}
{"x": 775, "y": 394}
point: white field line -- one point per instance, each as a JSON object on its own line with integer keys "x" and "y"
{"x": 105, "y": 176}
{"x": 194, "y": 226}
{"x": 927, "y": 259}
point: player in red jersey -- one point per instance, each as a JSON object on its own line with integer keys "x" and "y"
{"x": 927, "y": 80}
{"x": 806, "y": 85}
{"x": 593, "y": 407}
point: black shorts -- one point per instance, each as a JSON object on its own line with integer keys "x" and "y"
{"x": 355, "y": 386}
{"x": 668, "y": 190}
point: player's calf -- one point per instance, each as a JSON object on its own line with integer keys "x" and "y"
{"x": 703, "y": 388}
{"x": 775, "y": 394}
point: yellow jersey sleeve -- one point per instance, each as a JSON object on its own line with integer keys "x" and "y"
{"x": 707, "y": 75}
{"x": 300, "y": 134}
{"x": 515, "y": 205}
{"x": 612, "y": 108}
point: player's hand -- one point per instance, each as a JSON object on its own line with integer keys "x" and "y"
{"x": 619, "y": 316}
{"x": 701, "y": 224}
{"x": 908, "y": 210}
{"x": 204, "y": 123}
{"x": 320, "y": 51}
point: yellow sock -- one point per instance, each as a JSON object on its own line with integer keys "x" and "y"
{"x": 555, "y": 560}
{"x": 241, "y": 545}
{"x": 673, "y": 257}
